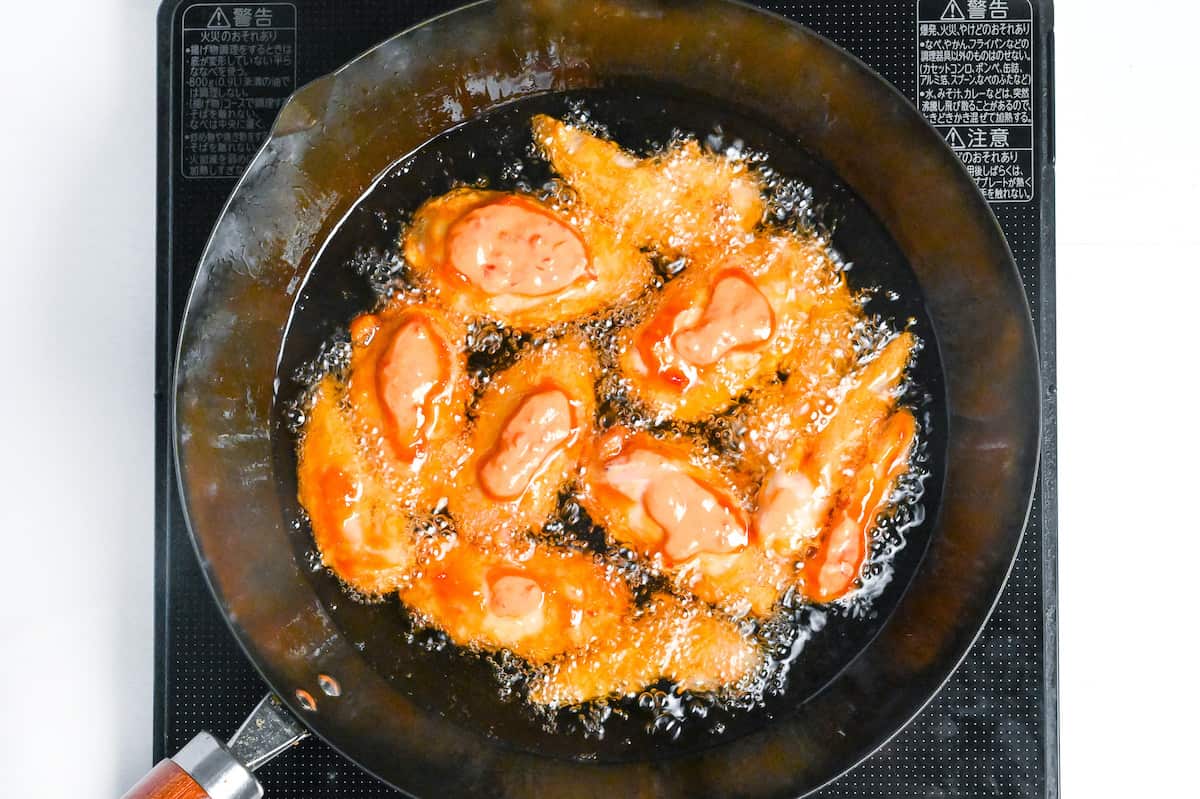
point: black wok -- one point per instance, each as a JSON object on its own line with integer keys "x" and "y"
{"x": 427, "y": 726}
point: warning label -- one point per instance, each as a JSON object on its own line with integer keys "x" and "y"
{"x": 975, "y": 86}
{"x": 239, "y": 65}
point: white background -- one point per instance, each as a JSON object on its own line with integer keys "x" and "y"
{"x": 77, "y": 161}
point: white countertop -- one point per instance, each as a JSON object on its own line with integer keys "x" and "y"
{"x": 77, "y": 166}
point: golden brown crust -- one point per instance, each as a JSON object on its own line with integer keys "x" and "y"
{"x": 618, "y": 272}
{"x": 672, "y": 639}
{"x": 780, "y": 414}
{"x": 620, "y": 515}
{"x": 830, "y": 572}
{"x": 415, "y": 468}
{"x": 681, "y": 201}
{"x": 820, "y": 469}
{"x": 794, "y": 275}
{"x": 869, "y": 397}
{"x": 761, "y": 315}
{"x": 567, "y": 365}
{"x": 740, "y": 581}
{"x": 360, "y": 528}
{"x": 582, "y": 602}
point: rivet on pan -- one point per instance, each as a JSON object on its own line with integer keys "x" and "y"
{"x": 306, "y": 700}
{"x": 330, "y": 686}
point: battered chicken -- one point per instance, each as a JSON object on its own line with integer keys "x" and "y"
{"x": 760, "y": 325}
{"x": 798, "y": 496}
{"x": 672, "y": 639}
{"x": 727, "y": 325}
{"x": 815, "y": 513}
{"x": 832, "y": 570}
{"x": 519, "y": 260}
{"x": 782, "y": 415}
{"x": 360, "y": 526}
{"x": 531, "y": 425}
{"x": 536, "y": 601}
{"x": 407, "y": 395}
{"x": 687, "y": 516}
{"x": 492, "y": 585}
{"x": 679, "y": 202}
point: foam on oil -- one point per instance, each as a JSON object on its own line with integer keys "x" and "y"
{"x": 806, "y": 645}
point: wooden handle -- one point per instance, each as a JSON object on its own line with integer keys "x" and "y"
{"x": 203, "y": 769}
{"x": 166, "y": 781}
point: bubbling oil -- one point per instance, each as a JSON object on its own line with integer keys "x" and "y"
{"x": 805, "y": 646}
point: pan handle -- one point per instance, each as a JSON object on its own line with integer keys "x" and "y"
{"x": 203, "y": 769}
{"x": 207, "y": 769}
{"x": 167, "y": 781}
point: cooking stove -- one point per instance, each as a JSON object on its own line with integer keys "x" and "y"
{"x": 980, "y": 71}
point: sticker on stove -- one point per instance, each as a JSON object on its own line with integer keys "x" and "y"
{"x": 239, "y": 65}
{"x": 975, "y": 86}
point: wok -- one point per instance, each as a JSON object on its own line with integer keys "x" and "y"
{"x": 436, "y": 731}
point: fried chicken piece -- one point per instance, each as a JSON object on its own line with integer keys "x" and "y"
{"x": 831, "y": 572}
{"x": 537, "y": 601}
{"x": 522, "y": 261}
{"x": 816, "y": 371}
{"x": 662, "y": 497}
{"x": 871, "y": 395}
{"x": 358, "y": 523}
{"x": 531, "y": 425}
{"x": 407, "y": 392}
{"x": 672, "y": 639}
{"x": 726, "y": 326}
{"x": 686, "y": 515}
{"x": 680, "y": 201}
{"x": 797, "y": 497}
{"x": 824, "y": 448}
{"x": 747, "y": 582}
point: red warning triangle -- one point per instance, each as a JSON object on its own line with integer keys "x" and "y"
{"x": 953, "y": 11}
{"x": 218, "y": 19}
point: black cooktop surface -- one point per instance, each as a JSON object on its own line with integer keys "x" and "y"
{"x": 980, "y": 72}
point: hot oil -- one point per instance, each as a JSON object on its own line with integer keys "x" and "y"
{"x": 808, "y": 646}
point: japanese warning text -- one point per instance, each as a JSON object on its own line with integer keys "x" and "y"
{"x": 975, "y": 86}
{"x": 239, "y": 65}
